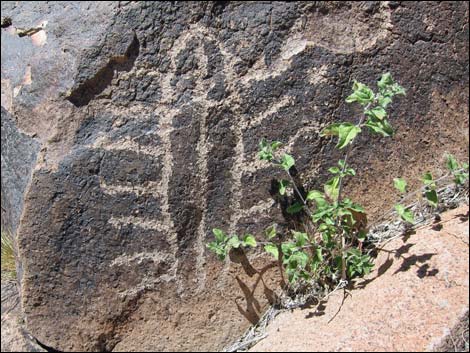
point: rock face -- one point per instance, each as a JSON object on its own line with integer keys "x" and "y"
{"x": 136, "y": 125}
{"x": 14, "y": 337}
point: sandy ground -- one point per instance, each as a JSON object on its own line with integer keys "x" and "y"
{"x": 417, "y": 295}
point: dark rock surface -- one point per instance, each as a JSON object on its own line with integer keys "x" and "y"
{"x": 147, "y": 117}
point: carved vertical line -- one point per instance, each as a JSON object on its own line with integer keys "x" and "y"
{"x": 237, "y": 172}
{"x": 203, "y": 154}
{"x": 168, "y": 114}
{"x": 203, "y": 171}
{"x": 166, "y": 128}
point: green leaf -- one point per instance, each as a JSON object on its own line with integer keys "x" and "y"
{"x": 300, "y": 238}
{"x": 354, "y": 253}
{"x": 213, "y": 246}
{"x": 377, "y": 112}
{"x": 249, "y": 240}
{"x": 287, "y": 162}
{"x": 315, "y": 195}
{"x": 298, "y": 259}
{"x": 318, "y": 254}
{"x": 275, "y": 145}
{"x": 288, "y": 248}
{"x": 428, "y": 180}
{"x": 342, "y": 166}
{"x": 400, "y": 184}
{"x": 358, "y": 264}
{"x": 220, "y": 251}
{"x": 405, "y": 214}
{"x": 397, "y": 89}
{"x": 295, "y": 208}
{"x": 271, "y": 232}
{"x": 347, "y": 133}
{"x": 265, "y": 156}
{"x": 452, "y": 163}
{"x": 318, "y": 197}
{"x": 431, "y": 196}
{"x": 381, "y": 127}
{"x": 272, "y": 249}
{"x": 384, "y": 101}
{"x": 345, "y": 212}
{"x": 350, "y": 171}
{"x": 385, "y": 80}
{"x": 219, "y": 235}
{"x": 355, "y": 207}
{"x": 233, "y": 242}
{"x": 266, "y": 151}
{"x": 361, "y": 94}
{"x": 331, "y": 130}
{"x": 460, "y": 178}
{"x": 332, "y": 188}
{"x": 324, "y": 214}
{"x": 334, "y": 170}
{"x": 283, "y": 184}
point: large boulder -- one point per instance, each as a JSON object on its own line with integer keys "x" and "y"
{"x": 132, "y": 129}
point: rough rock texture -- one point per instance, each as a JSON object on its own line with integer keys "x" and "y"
{"x": 147, "y": 117}
{"x": 410, "y": 303}
{"x": 19, "y": 153}
{"x": 14, "y": 337}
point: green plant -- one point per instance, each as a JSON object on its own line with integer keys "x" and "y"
{"x": 405, "y": 213}
{"x": 223, "y": 244}
{"x": 458, "y": 170}
{"x": 8, "y": 268}
{"x": 430, "y": 193}
{"x": 328, "y": 246}
{"x": 430, "y": 189}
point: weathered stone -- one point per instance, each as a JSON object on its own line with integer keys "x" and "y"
{"x": 141, "y": 122}
{"x": 14, "y": 337}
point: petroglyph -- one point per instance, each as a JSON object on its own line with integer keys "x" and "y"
{"x": 151, "y": 188}
{"x": 132, "y": 177}
{"x": 144, "y": 223}
{"x": 195, "y": 37}
{"x": 283, "y": 102}
{"x": 155, "y": 256}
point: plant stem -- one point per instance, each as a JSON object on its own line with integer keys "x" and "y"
{"x": 310, "y": 213}
{"x": 296, "y": 189}
{"x": 340, "y": 189}
{"x": 346, "y": 155}
{"x": 279, "y": 264}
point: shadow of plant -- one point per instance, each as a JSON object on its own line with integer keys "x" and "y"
{"x": 413, "y": 260}
{"x": 253, "y": 307}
